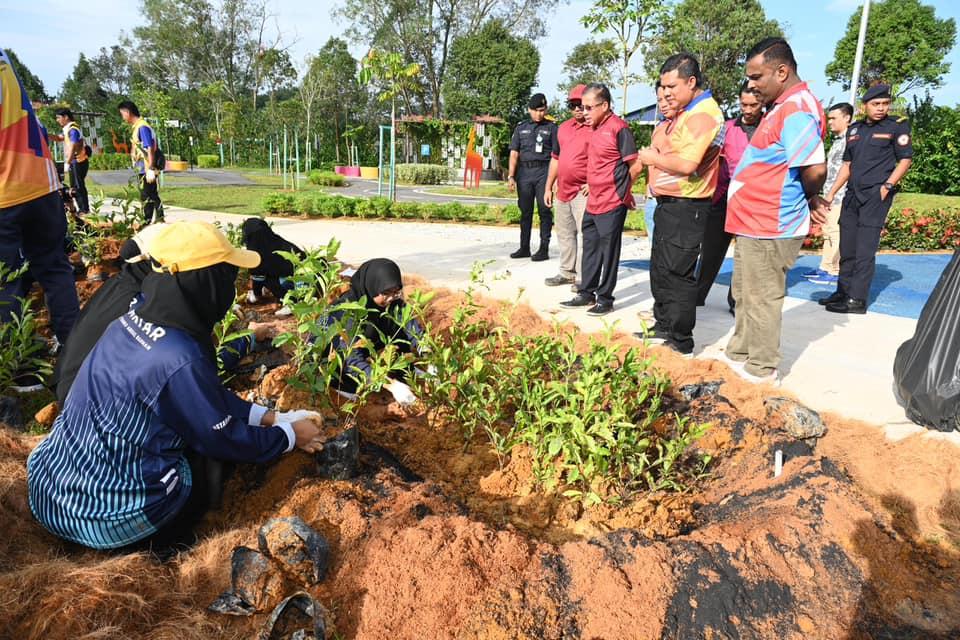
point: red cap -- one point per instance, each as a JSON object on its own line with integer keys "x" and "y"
{"x": 577, "y": 92}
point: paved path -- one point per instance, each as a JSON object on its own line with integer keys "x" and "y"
{"x": 832, "y": 362}
{"x": 196, "y": 177}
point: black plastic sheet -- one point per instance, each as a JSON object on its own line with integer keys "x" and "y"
{"x": 925, "y": 371}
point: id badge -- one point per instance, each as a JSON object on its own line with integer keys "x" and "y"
{"x": 539, "y": 147}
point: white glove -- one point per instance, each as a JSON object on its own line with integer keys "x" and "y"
{"x": 401, "y": 393}
{"x": 66, "y": 169}
{"x": 151, "y": 175}
{"x": 299, "y": 414}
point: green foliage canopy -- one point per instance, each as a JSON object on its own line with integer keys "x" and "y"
{"x": 906, "y": 46}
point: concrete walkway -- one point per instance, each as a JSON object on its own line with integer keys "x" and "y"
{"x": 831, "y": 362}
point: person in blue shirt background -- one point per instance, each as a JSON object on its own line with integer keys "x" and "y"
{"x": 123, "y": 467}
{"x": 144, "y": 153}
{"x": 76, "y": 163}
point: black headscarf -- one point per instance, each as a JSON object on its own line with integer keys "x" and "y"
{"x": 192, "y": 301}
{"x": 106, "y": 305}
{"x": 371, "y": 279}
{"x": 259, "y": 237}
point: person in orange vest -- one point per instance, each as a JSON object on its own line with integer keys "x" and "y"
{"x": 33, "y": 228}
{"x": 76, "y": 162}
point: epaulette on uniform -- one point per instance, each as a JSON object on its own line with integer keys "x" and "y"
{"x": 902, "y": 119}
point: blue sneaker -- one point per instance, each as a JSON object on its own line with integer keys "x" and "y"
{"x": 826, "y": 278}
{"x": 813, "y": 273}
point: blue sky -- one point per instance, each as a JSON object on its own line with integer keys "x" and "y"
{"x": 49, "y": 35}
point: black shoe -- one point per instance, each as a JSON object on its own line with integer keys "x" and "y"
{"x": 685, "y": 350}
{"x": 580, "y": 300}
{"x": 848, "y": 305}
{"x": 542, "y": 254}
{"x": 520, "y": 253}
{"x": 600, "y": 309}
{"x": 556, "y": 281}
{"x": 836, "y": 296}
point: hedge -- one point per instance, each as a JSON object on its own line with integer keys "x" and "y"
{"x": 911, "y": 230}
{"x": 327, "y": 179}
{"x": 109, "y": 161}
{"x": 208, "y": 161}
{"x": 423, "y": 173}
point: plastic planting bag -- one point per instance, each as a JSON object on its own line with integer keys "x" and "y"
{"x": 926, "y": 371}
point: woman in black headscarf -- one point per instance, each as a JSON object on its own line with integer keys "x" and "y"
{"x": 110, "y": 301}
{"x": 128, "y": 460}
{"x": 274, "y": 270}
{"x": 379, "y": 284}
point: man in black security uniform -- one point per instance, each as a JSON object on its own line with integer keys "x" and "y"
{"x": 879, "y": 152}
{"x": 530, "y": 148}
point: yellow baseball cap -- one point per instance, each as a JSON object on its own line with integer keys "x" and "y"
{"x": 189, "y": 245}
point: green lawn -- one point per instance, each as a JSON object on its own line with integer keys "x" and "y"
{"x": 486, "y": 190}
{"x": 924, "y": 201}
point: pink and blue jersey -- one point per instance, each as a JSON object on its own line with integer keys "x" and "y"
{"x": 766, "y": 198}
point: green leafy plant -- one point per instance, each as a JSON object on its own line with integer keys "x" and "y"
{"x": 424, "y": 173}
{"x": 109, "y": 162}
{"x": 226, "y": 333}
{"x": 208, "y": 161}
{"x": 327, "y": 179}
{"x": 280, "y": 203}
{"x": 21, "y": 347}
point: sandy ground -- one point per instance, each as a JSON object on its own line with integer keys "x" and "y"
{"x": 835, "y": 363}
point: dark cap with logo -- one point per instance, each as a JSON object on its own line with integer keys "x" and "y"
{"x": 537, "y": 101}
{"x": 877, "y": 91}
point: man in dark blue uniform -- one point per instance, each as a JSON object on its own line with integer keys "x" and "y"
{"x": 879, "y": 152}
{"x": 530, "y": 148}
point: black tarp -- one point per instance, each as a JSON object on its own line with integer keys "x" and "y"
{"x": 926, "y": 375}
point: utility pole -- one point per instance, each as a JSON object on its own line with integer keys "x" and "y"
{"x": 858, "y": 59}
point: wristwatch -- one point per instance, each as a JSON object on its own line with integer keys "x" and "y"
{"x": 889, "y": 186}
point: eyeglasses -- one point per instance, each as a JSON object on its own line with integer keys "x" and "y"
{"x": 588, "y": 107}
{"x": 573, "y": 106}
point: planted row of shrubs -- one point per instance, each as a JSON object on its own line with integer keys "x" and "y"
{"x": 424, "y": 173}
{"x": 109, "y": 161}
{"x": 331, "y": 206}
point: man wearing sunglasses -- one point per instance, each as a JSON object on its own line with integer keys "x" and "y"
{"x": 568, "y": 172}
{"x": 532, "y": 144}
{"x": 612, "y": 167}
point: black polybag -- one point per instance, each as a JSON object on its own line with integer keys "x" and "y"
{"x": 926, "y": 374}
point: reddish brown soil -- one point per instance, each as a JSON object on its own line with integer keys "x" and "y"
{"x": 858, "y": 538}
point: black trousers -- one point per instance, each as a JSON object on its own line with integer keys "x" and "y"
{"x": 78, "y": 180}
{"x": 36, "y": 231}
{"x": 602, "y": 239}
{"x": 150, "y": 199}
{"x": 530, "y": 190}
{"x": 860, "y": 227}
{"x": 716, "y": 241}
{"x": 678, "y": 232}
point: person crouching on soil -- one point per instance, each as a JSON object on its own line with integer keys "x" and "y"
{"x": 118, "y": 295}
{"x": 274, "y": 271}
{"x": 123, "y": 467}
{"x": 379, "y": 283}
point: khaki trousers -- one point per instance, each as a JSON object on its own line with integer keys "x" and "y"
{"x": 568, "y": 223}
{"x": 759, "y": 285}
{"x": 830, "y": 257}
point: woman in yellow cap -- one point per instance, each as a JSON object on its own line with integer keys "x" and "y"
{"x": 147, "y": 409}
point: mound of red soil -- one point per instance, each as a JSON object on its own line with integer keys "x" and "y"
{"x": 854, "y": 540}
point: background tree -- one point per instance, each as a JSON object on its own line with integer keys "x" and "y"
{"x": 31, "y": 83}
{"x": 631, "y": 22}
{"x": 491, "y": 72}
{"x": 82, "y": 90}
{"x": 591, "y": 61}
{"x": 906, "y": 46}
{"x": 341, "y": 98}
{"x": 719, "y": 33}
{"x": 423, "y": 31}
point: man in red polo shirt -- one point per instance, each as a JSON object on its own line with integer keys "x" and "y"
{"x": 568, "y": 171}
{"x": 611, "y": 169}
